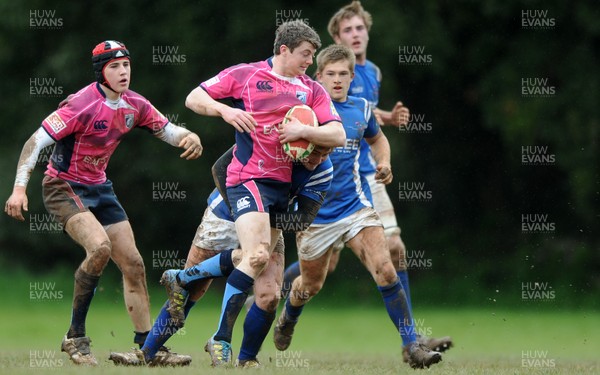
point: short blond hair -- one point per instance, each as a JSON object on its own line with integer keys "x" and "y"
{"x": 334, "y": 53}
{"x": 347, "y": 12}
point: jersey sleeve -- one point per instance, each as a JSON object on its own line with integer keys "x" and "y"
{"x": 378, "y": 76}
{"x": 319, "y": 182}
{"x": 372, "y": 125}
{"x": 61, "y": 122}
{"x": 150, "y": 118}
{"x": 229, "y": 83}
{"x": 323, "y": 106}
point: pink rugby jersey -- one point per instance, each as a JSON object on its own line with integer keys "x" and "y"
{"x": 88, "y": 129}
{"x": 256, "y": 89}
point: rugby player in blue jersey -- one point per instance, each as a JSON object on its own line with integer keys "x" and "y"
{"x": 215, "y": 252}
{"x": 347, "y": 216}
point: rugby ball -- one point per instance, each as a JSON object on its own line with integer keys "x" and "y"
{"x": 301, "y": 148}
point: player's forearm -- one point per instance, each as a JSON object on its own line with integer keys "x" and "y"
{"x": 291, "y": 222}
{"x": 200, "y": 102}
{"x": 219, "y": 173}
{"x": 385, "y": 117}
{"x": 380, "y": 148}
{"x": 172, "y": 134}
{"x": 29, "y": 154}
{"x": 331, "y": 134}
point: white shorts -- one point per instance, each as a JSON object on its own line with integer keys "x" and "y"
{"x": 217, "y": 234}
{"x": 384, "y": 207}
{"x": 318, "y": 238}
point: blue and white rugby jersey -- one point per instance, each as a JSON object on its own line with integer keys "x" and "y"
{"x": 312, "y": 184}
{"x": 349, "y": 190}
{"x": 366, "y": 84}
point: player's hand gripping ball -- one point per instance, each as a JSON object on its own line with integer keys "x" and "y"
{"x": 300, "y": 148}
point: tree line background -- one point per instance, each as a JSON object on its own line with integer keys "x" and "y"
{"x": 470, "y": 158}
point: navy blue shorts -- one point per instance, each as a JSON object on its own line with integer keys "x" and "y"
{"x": 63, "y": 199}
{"x": 258, "y": 196}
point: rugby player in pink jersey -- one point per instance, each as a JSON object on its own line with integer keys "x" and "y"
{"x": 258, "y": 178}
{"x": 86, "y": 129}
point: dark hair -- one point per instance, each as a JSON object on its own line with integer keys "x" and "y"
{"x": 293, "y": 33}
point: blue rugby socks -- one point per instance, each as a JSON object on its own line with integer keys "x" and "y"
{"x": 256, "y": 327}
{"x": 162, "y": 330}
{"x": 403, "y": 276}
{"x": 397, "y": 307}
{"x": 293, "y": 312}
{"x": 236, "y": 292}
{"x": 218, "y": 266}
{"x": 290, "y": 274}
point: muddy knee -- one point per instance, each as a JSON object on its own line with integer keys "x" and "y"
{"x": 97, "y": 258}
{"x": 260, "y": 258}
{"x": 134, "y": 269}
{"x": 385, "y": 274}
{"x": 397, "y": 252}
{"x": 310, "y": 290}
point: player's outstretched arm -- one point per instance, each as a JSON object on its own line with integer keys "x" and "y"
{"x": 182, "y": 138}
{"x": 398, "y": 116}
{"x": 380, "y": 147}
{"x": 200, "y": 102}
{"x": 17, "y": 202}
{"x": 331, "y": 134}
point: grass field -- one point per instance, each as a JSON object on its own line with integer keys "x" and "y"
{"x": 357, "y": 340}
{"x": 349, "y": 339}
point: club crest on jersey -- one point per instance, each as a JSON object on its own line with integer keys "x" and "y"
{"x": 243, "y": 203}
{"x": 301, "y": 95}
{"x": 129, "y": 120}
